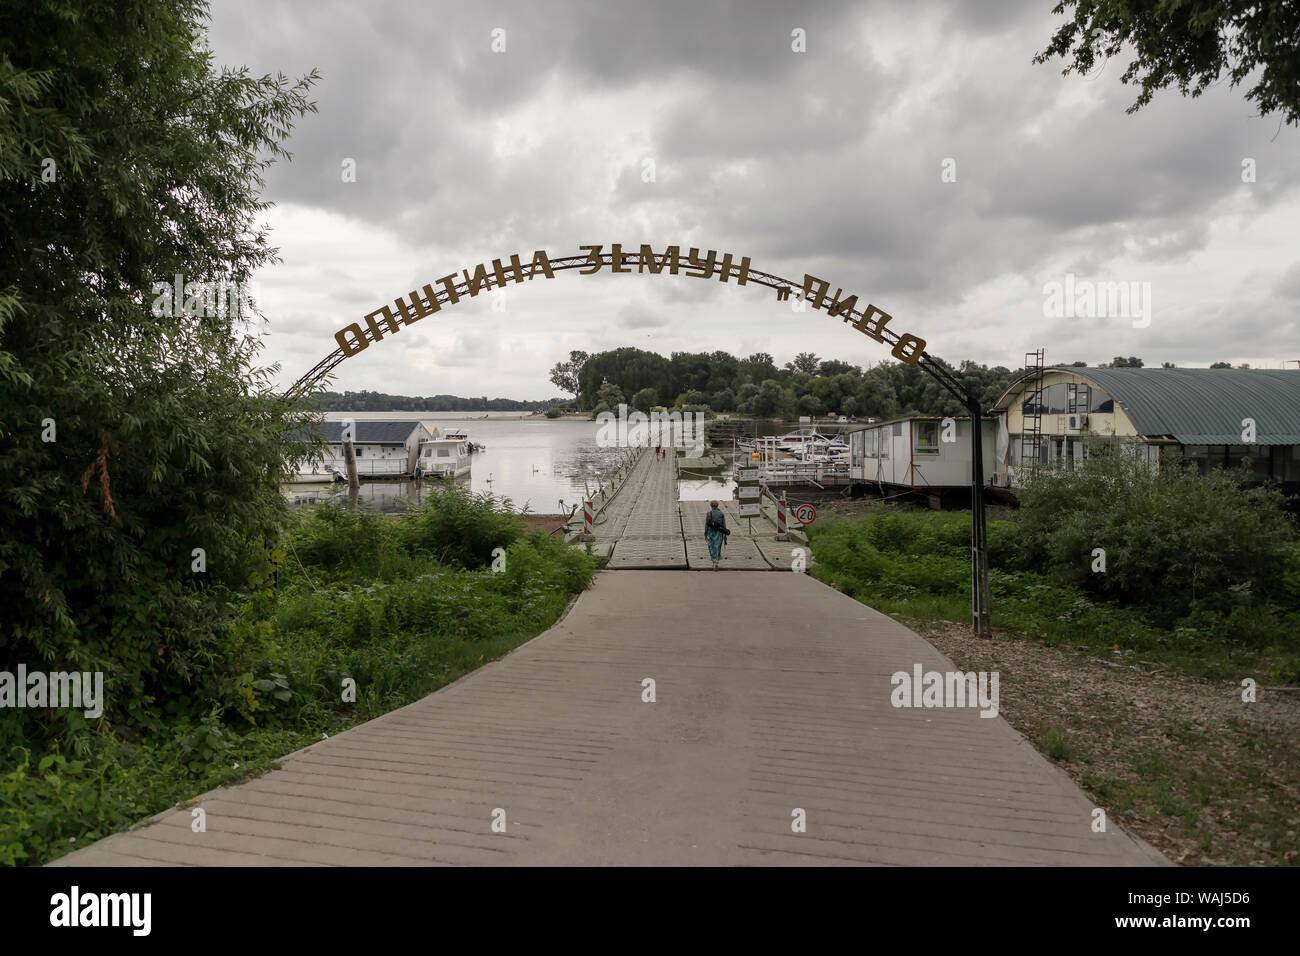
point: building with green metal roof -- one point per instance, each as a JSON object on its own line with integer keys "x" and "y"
{"x": 1215, "y": 417}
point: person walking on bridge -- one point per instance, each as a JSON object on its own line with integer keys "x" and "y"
{"x": 715, "y": 532}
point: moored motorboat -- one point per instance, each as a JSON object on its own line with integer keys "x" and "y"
{"x": 445, "y": 457}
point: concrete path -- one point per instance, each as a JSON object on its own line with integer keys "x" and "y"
{"x": 772, "y": 702}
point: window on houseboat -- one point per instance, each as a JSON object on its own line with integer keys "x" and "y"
{"x": 1077, "y": 398}
{"x": 1050, "y": 401}
{"x": 1053, "y": 400}
{"x": 927, "y": 438}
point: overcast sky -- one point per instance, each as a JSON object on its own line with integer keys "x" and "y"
{"x": 830, "y": 161}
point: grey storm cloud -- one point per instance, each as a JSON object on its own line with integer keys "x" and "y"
{"x": 828, "y": 161}
{"x": 1288, "y": 287}
{"x": 636, "y": 315}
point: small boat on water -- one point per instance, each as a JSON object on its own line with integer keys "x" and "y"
{"x": 470, "y": 446}
{"x": 445, "y": 457}
{"x": 790, "y": 443}
{"x": 797, "y": 442}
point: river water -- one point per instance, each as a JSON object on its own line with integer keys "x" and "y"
{"x": 533, "y": 461}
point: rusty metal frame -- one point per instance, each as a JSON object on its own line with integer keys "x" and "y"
{"x": 932, "y": 366}
{"x": 444, "y": 297}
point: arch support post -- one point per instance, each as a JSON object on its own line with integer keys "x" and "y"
{"x": 354, "y": 479}
{"x": 979, "y": 542}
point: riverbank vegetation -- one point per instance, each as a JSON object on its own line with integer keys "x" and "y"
{"x": 368, "y": 401}
{"x": 1130, "y": 678}
{"x": 145, "y": 537}
{"x": 756, "y": 387}
{"x": 1199, "y": 573}
{"x": 357, "y": 615}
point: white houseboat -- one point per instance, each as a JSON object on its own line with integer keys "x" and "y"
{"x": 384, "y": 449}
{"x": 446, "y": 457}
{"x": 925, "y": 454}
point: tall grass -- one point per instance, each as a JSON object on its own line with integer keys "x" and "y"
{"x": 393, "y": 607}
{"x": 917, "y": 565}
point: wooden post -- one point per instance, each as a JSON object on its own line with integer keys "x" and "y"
{"x": 354, "y": 480}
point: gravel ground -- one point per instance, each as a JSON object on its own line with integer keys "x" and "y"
{"x": 1186, "y": 765}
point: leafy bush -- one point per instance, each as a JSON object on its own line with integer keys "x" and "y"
{"x": 345, "y": 543}
{"x": 1171, "y": 537}
{"x": 397, "y": 639}
{"x": 132, "y": 434}
{"x": 917, "y": 564}
{"x": 459, "y": 527}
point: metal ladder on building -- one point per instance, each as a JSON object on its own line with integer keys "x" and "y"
{"x": 1031, "y": 422}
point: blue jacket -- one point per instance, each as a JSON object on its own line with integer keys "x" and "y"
{"x": 715, "y": 518}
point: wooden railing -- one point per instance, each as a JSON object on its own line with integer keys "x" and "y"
{"x": 365, "y": 466}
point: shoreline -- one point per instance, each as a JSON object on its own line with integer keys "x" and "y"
{"x": 469, "y": 416}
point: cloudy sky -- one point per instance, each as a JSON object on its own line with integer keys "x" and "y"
{"x": 912, "y": 154}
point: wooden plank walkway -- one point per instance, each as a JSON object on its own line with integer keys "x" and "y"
{"x": 772, "y": 695}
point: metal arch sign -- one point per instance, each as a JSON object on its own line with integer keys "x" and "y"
{"x": 448, "y": 290}
{"x": 872, "y": 322}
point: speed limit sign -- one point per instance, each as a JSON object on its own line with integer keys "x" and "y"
{"x": 805, "y": 514}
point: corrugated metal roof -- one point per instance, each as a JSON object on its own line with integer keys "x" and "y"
{"x": 372, "y": 432}
{"x": 1204, "y": 406}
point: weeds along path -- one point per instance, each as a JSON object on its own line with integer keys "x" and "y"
{"x": 768, "y": 738}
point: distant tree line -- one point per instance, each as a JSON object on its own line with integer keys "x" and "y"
{"x": 367, "y": 401}
{"x": 756, "y": 386}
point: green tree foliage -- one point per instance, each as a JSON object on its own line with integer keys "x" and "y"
{"x": 1190, "y": 45}
{"x": 757, "y": 368}
{"x": 367, "y": 401}
{"x": 836, "y": 367}
{"x": 770, "y": 401}
{"x": 805, "y": 362}
{"x": 167, "y": 435}
{"x": 610, "y": 395}
{"x": 645, "y": 399}
{"x": 566, "y": 376}
{"x": 460, "y": 528}
{"x": 1172, "y": 538}
{"x": 725, "y": 383}
{"x": 631, "y": 369}
{"x": 810, "y": 405}
{"x": 723, "y": 401}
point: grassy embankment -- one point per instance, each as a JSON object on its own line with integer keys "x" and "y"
{"x": 401, "y": 607}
